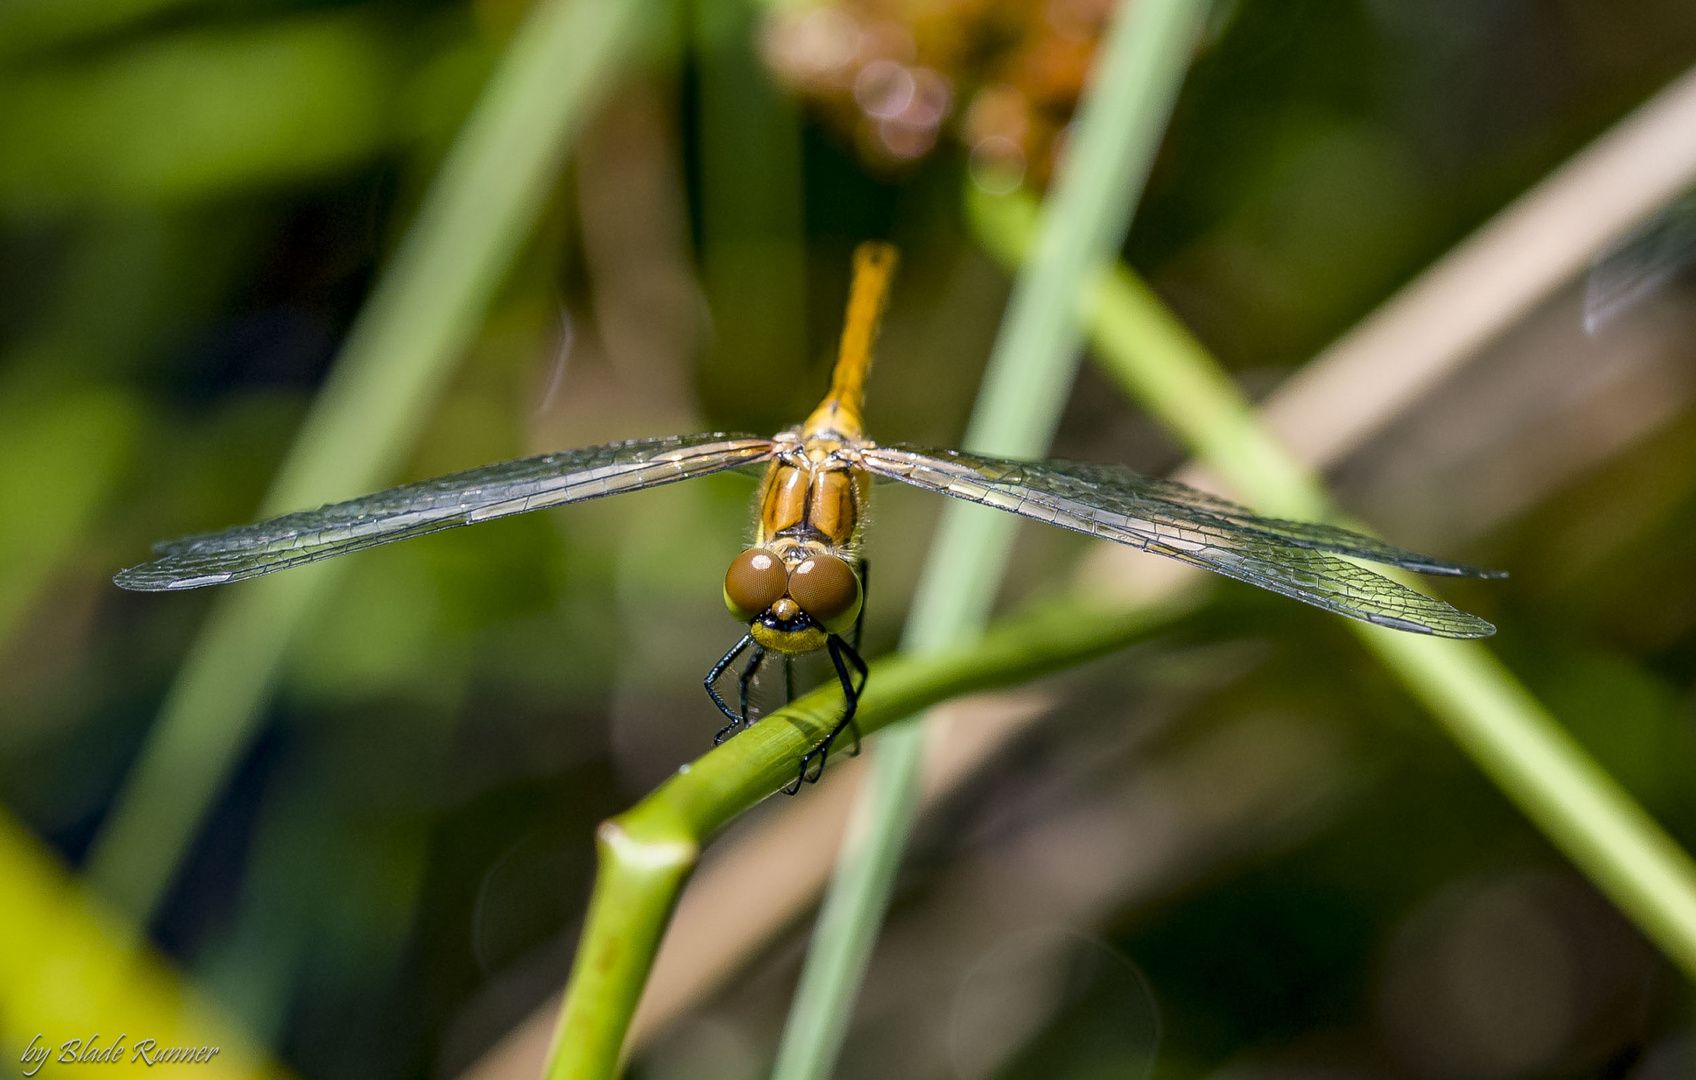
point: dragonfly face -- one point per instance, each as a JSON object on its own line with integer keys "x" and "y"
{"x": 801, "y": 586}
{"x": 808, "y": 593}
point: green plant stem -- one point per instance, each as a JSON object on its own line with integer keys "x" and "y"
{"x": 1483, "y": 707}
{"x": 392, "y": 369}
{"x": 1554, "y": 781}
{"x": 1141, "y": 64}
{"x": 645, "y": 853}
{"x": 642, "y": 861}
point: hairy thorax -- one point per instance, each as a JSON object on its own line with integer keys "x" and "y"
{"x": 811, "y": 502}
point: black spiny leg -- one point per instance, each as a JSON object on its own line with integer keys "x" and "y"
{"x": 712, "y": 690}
{"x": 843, "y": 655}
{"x": 854, "y": 653}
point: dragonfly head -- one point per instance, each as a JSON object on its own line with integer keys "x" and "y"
{"x": 792, "y": 606}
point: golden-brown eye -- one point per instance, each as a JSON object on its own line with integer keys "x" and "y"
{"x": 754, "y": 582}
{"x": 827, "y": 588}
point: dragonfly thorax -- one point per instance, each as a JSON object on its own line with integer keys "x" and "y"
{"x": 813, "y": 491}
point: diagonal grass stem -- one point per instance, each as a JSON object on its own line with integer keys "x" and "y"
{"x": 1142, "y": 63}
{"x": 392, "y": 368}
{"x": 1494, "y": 719}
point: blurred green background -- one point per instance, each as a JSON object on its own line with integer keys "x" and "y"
{"x": 197, "y": 195}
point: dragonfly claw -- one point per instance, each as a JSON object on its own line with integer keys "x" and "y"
{"x": 819, "y": 752}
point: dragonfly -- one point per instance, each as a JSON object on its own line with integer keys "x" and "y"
{"x": 1636, "y": 265}
{"x": 799, "y": 587}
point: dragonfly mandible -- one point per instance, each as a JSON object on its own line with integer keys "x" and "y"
{"x": 800, "y": 586}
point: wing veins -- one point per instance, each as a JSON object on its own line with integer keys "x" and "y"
{"x": 1168, "y": 519}
{"x": 464, "y": 498}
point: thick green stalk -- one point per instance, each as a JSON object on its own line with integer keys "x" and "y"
{"x": 646, "y": 852}
{"x": 1142, "y": 63}
{"x": 1494, "y": 719}
{"x": 393, "y": 367}
{"x": 643, "y": 860}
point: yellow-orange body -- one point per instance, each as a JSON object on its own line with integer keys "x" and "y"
{"x": 814, "y": 495}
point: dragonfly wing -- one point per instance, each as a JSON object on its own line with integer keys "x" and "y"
{"x": 464, "y": 498}
{"x": 1639, "y": 263}
{"x": 1302, "y": 534}
{"x": 1293, "y": 558}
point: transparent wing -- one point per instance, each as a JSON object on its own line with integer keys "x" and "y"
{"x": 1289, "y": 557}
{"x": 1636, "y": 265}
{"x": 464, "y": 498}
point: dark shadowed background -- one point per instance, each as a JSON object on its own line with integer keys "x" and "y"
{"x": 1240, "y": 833}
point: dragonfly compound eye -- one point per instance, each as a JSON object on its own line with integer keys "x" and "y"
{"x": 755, "y": 581}
{"x": 827, "y": 589}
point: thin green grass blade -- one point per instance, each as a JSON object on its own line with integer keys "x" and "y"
{"x": 1142, "y": 63}
{"x": 392, "y": 369}
{"x": 1483, "y": 707}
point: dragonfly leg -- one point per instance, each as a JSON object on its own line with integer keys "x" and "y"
{"x": 865, "y": 590}
{"x": 851, "y": 653}
{"x": 842, "y": 655}
{"x": 745, "y": 680}
{"x": 711, "y": 683}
